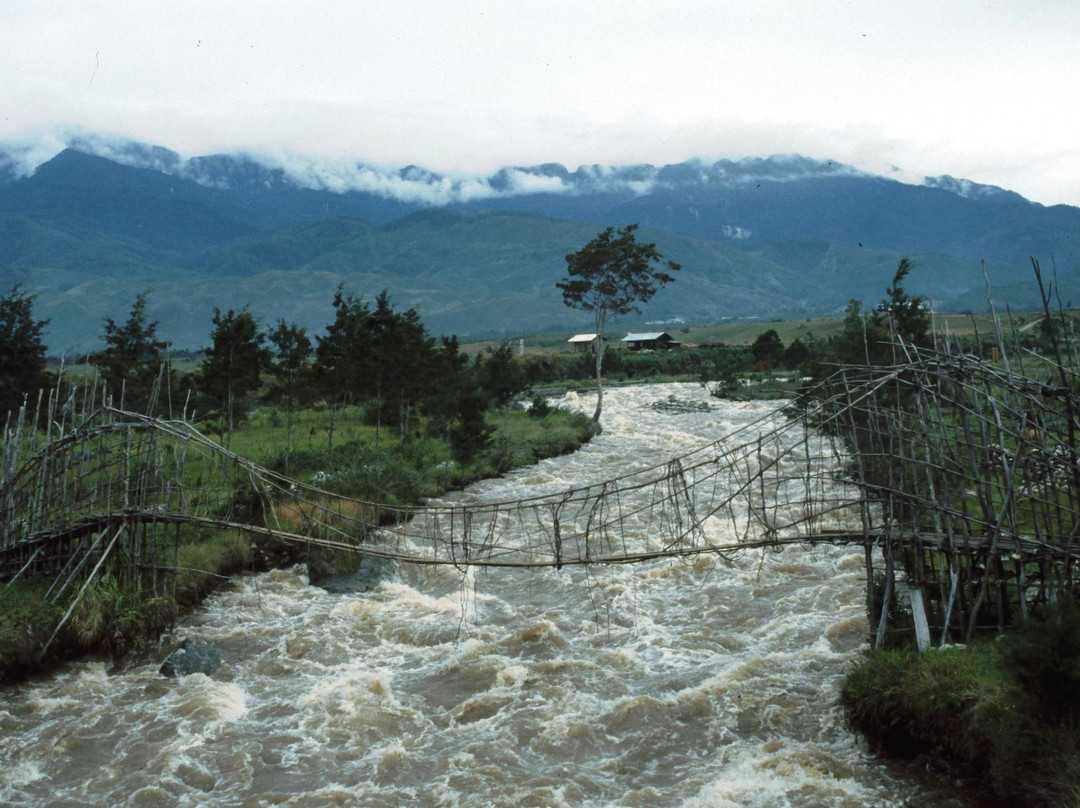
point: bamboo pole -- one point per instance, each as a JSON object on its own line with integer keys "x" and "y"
{"x": 82, "y": 591}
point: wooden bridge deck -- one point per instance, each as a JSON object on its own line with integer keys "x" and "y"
{"x": 951, "y": 469}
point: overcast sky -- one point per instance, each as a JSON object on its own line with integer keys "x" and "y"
{"x": 987, "y": 91}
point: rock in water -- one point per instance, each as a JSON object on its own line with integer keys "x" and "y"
{"x": 193, "y": 656}
{"x": 370, "y": 572}
{"x": 680, "y": 406}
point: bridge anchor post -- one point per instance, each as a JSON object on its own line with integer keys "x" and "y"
{"x": 918, "y": 615}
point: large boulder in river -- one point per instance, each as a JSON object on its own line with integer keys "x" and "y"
{"x": 370, "y": 572}
{"x": 193, "y": 656}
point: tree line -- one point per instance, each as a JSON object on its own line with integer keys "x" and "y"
{"x": 372, "y": 355}
{"x": 381, "y": 358}
{"x": 378, "y": 356}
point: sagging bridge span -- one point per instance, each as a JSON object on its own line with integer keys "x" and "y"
{"x": 961, "y": 473}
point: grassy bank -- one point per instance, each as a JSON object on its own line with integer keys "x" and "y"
{"x": 112, "y": 620}
{"x": 1004, "y": 714}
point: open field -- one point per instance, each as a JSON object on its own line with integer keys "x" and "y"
{"x": 744, "y": 332}
{"x": 741, "y": 332}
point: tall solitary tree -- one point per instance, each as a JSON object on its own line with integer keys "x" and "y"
{"x": 22, "y": 352}
{"x": 610, "y": 276}
{"x": 132, "y": 357}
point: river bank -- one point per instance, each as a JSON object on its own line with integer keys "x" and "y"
{"x": 694, "y": 682}
{"x": 1002, "y": 714}
{"x": 110, "y": 621}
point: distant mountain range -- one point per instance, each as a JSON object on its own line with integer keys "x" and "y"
{"x": 784, "y": 236}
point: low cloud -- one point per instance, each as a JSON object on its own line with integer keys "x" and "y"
{"x": 524, "y": 182}
{"x": 416, "y": 185}
{"x": 413, "y": 184}
{"x": 421, "y": 186}
{"x": 23, "y": 158}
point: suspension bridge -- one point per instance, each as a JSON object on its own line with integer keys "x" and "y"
{"x": 960, "y": 473}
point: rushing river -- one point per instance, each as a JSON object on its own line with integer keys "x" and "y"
{"x": 689, "y": 683}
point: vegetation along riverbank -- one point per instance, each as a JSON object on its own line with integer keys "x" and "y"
{"x": 376, "y": 410}
{"x": 112, "y": 618}
{"x": 968, "y": 445}
{"x": 972, "y": 460}
{"x": 1003, "y": 714}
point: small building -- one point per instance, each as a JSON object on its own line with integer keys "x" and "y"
{"x": 584, "y": 343}
{"x": 653, "y": 340}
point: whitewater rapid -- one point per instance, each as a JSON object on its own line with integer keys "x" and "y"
{"x": 680, "y": 682}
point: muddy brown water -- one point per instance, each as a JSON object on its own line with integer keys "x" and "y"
{"x": 682, "y": 683}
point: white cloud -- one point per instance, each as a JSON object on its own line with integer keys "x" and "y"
{"x": 975, "y": 90}
{"x": 23, "y": 158}
{"x": 523, "y": 182}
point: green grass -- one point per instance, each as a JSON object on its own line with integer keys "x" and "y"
{"x": 261, "y": 436}
{"x": 908, "y": 704}
{"x": 1005, "y": 714}
{"x": 205, "y": 558}
{"x": 113, "y": 619}
{"x": 769, "y": 386}
{"x": 26, "y": 620}
{"x": 405, "y": 473}
{"x": 743, "y": 332}
{"x": 520, "y": 440}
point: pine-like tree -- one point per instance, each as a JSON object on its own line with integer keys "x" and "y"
{"x": 401, "y": 358}
{"x": 23, "y": 369}
{"x": 864, "y": 339}
{"x": 233, "y": 365}
{"x": 767, "y": 349}
{"x": 293, "y": 348}
{"x": 133, "y": 357}
{"x": 500, "y": 374}
{"x": 871, "y": 338}
{"x": 909, "y": 315}
{"x": 343, "y": 357}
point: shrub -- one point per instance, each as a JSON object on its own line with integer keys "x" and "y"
{"x": 1005, "y": 712}
{"x": 1043, "y": 658}
{"x": 26, "y": 621}
{"x": 114, "y": 618}
{"x": 538, "y": 407}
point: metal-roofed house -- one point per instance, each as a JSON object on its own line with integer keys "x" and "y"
{"x": 653, "y": 340}
{"x": 584, "y": 343}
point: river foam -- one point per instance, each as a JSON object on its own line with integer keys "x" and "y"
{"x": 699, "y": 682}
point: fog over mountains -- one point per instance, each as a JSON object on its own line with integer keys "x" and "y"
{"x": 783, "y": 236}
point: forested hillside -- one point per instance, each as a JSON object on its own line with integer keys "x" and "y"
{"x": 783, "y": 237}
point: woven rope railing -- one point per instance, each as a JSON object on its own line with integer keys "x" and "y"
{"x": 965, "y": 472}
